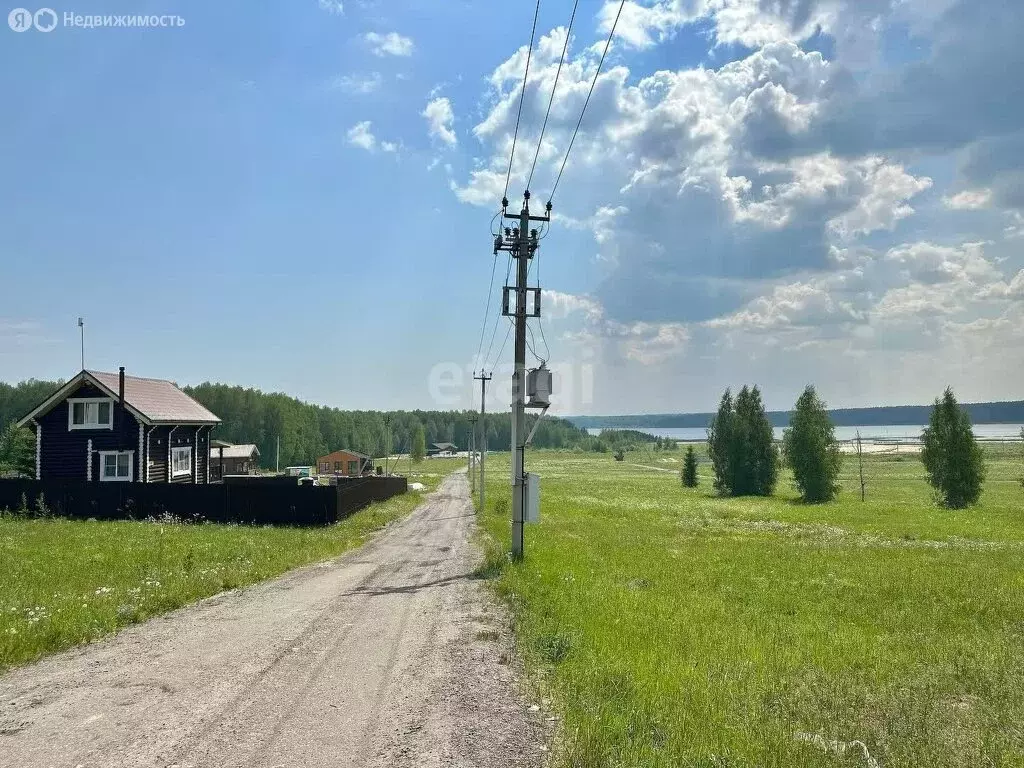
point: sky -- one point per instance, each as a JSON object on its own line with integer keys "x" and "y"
{"x": 299, "y": 196}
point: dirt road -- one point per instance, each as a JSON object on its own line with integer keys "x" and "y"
{"x": 391, "y": 655}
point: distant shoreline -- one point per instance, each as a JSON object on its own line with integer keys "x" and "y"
{"x": 1011, "y": 412}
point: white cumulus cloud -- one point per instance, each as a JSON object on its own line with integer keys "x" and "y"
{"x": 440, "y": 116}
{"x": 360, "y": 135}
{"x": 389, "y": 44}
{"x": 335, "y": 7}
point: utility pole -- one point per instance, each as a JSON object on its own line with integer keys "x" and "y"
{"x": 483, "y": 379}
{"x": 387, "y": 437}
{"x": 81, "y": 327}
{"x": 860, "y": 461}
{"x": 278, "y": 463}
{"x": 472, "y": 452}
{"x": 522, "y": 242}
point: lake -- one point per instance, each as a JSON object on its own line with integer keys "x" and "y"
{"x": 895, "y": 432}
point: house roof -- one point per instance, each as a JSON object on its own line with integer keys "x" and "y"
{"x": 245, "y": 451}
{"x": 346, "y": 451}
{"x": 153, "y": 401}
{"x": 444, "y": 446}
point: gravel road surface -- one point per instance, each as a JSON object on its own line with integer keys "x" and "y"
{"x": 391, "y": 655}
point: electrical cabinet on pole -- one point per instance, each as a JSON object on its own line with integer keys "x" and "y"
{"x": 521, "y": 242}
{"x": 483, "y": 379}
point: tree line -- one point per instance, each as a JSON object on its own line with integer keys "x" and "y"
{"x": 307, "y": 431}
{"x": 745, "y": 459}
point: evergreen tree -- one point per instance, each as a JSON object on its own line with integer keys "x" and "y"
{"x": 17, "y": 450}
{"x": 811, "y": 449}
{"x": 767, "y": 451}
{"x": 743, "y": 456}
{"x": 690, "y": 468}
{"x": 742, "y": 447}
{"x": 720, "y": 442}
{"x": 419, "y": 444}
{"x": 951, "y": 455}
{"x": 759, "y": 457}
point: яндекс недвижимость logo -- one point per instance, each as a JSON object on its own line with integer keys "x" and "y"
{"x": 22, "y": 19}
{"x": 46, "y": 20}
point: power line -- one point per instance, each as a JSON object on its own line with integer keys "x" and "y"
{"x": 487, "y": 309}
{"x": 522, "y": 97}
{"x": 532, "y": 343}
{"x": 540, "y": 322}
{"x": 497, "y": 320}
{"x": 547, "y": 114}
{"x": 511, "y": 325}
{"x": 590, "y": 93}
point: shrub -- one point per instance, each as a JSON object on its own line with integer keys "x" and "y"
{"x": 811, "y": 449}
{"x": 620, "y": 455}
{"x": 690, "y": 468}
{"x": 951, "y": 455}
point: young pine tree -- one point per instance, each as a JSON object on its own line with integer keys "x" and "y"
{"x": 720, "y": 445}
{"x": 952, "y": 457}
{"x": 690, "y": 468}
{"x": 419, "y": 444}
{"x": 811, "y": 450}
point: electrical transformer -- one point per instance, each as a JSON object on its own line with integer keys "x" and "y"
{"x": 538, "y": 387}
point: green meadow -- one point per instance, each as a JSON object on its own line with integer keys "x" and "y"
{"x": 669, "y": 627}
{"x": 66, "y": 582}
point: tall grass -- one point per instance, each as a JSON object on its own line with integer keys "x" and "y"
{"x": 673, "y": 628}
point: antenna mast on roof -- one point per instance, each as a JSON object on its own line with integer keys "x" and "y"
{"x": 81, "y": 325}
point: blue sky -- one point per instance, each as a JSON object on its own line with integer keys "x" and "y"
{"x": 296, "y": 196}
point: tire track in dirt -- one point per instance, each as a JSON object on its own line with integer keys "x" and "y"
{"x": 372, "y": 659}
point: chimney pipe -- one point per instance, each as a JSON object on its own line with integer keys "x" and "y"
{"x": 120, "y": 386}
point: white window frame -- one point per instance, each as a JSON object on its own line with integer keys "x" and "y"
{"x": 175, "y": 452}
{"x": 103, "y": 467}
{"x": 86, "y": 401}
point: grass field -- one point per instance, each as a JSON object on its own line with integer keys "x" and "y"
{"x": 673, "y": 628}
{"x": 68, "y": 582}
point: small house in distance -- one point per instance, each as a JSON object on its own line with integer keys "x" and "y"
{"x": 442, "y": 449}
{"x": 108, "y": 427}
{"x": 344, "y": 463}
{"x": 230, "y": 459}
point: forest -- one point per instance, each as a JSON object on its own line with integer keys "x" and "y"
{"x": 308, "y": 431}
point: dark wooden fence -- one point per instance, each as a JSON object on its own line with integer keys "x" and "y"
{"x": 255, "y": 503}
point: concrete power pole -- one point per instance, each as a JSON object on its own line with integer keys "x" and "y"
{"x": 522, "y": 243}
{"x": 483, "y": 379}
{"x": 472, "y": 452}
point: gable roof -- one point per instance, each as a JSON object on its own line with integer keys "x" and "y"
{"x": 152, "y": 401}
{"x": 245, "y": 451}
{"x": 345, "y": 451}
{"x": 444, "y": 446}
